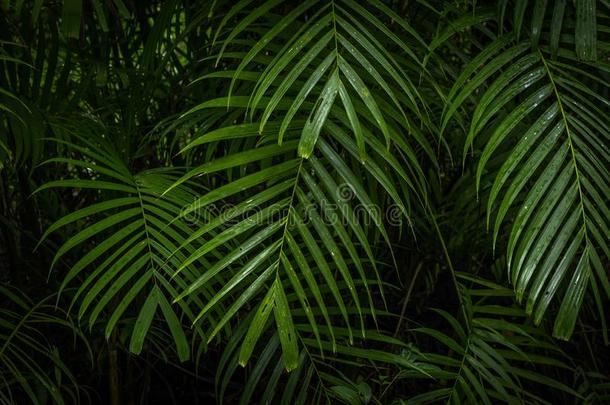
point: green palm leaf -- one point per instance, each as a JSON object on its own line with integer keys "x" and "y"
{"x": 555, "y": 175}
{"x": 489, "y": 360}
{"x": 25, "y": 352}
{"x": 294, "y": 162}
{"x": 132, "y": 254}
{"x": 283, "y": 238}
{"x": 330, "y": 50}
{"x": 315, "y": 378}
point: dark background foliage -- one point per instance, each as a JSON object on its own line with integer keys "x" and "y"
{"x": 128, "y": 128}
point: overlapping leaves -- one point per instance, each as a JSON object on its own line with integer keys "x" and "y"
{"x": 554, "y": 18}
{"x": 327, "y": 51}
{"x": 555, "y": 174}
{"x": 293, "y": 162}
{"x": 129, "y": 255}
{"x": 314, "y": 380}
{"x": 294, "y": 228}
{"x": 491, "y": 356}
{"x": 30, "y": 366}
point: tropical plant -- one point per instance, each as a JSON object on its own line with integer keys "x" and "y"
{"x": 31, "y": 365}
{"x": 305, "y": 202}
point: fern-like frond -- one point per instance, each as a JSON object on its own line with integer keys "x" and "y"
{"x": 340, "y": 51}
{"x": 549, "y": 20}
{"x": 490, "y": 358}
{"x": 317, "y": 174}
{"x": 294, "y": 225}
{"x": 316, "y": 378}
{"x": 28, "y": 361}
{"x": 555, "y": 174}
{"x": 128, "y": 242}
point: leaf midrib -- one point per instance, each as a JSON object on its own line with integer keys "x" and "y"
{"x": 571, "y": 147}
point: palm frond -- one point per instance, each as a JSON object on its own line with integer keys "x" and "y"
{"x": 492, "y": 357}
{"x": 294, "y": 224}
{"x": 316, "y": 378}
{"x": 294, "y": 166}
{"x": 579, "y": 19}
{"x": 331, "y": 55}
{"x": 29, "y": 362}
{"x": 555, "y": 174}
{"x": 132, "y": 254}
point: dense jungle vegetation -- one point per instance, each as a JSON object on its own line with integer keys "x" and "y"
{"x": 304, "y": 202}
